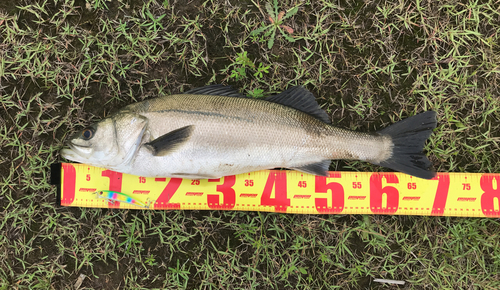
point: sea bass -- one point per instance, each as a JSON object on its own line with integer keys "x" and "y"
{"x": 214, "y": 131}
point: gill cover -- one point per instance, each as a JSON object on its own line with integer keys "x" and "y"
{"x": 111, "y": 142}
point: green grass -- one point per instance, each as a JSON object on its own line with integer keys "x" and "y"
{"x": 65, "y": 64}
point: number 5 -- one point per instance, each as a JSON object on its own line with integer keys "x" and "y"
{"x": 337, "y": 192}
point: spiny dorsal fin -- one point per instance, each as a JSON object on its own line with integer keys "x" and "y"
{"x": 319, "y": 168}
{"x": 216, "y": 90}
{"x": 301, "y": 99}
{"x": 167, "y": 143}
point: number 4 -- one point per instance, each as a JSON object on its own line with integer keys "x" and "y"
{"x": 276, "y": 179}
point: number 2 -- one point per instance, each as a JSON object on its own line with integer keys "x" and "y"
{"x": 163, "y": 200}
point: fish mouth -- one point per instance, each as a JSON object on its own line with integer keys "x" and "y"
{"x": 69, "y": 154}
{"x": 73, "y": 145}
{"x": 76, "y": 152}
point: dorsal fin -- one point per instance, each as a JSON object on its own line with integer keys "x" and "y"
{"x": 215, "y": 90}
{"x": 301, "y": 99}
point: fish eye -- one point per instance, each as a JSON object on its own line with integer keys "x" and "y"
{"x": 88, "y": 133}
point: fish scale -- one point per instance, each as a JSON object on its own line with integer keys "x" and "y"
{"x": 239, "y": 126}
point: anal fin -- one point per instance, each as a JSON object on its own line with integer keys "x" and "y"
{"x": 167, "y": 143}
{"x": 319, "y": 168}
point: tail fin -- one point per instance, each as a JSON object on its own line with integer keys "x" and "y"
{"x": 408, "y": 137}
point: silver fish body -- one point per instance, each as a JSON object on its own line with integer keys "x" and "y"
{"x": 213, "y": 133}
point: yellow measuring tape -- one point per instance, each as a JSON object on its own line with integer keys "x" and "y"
{"x": 286, "y": 191}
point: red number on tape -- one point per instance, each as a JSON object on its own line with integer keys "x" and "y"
{"x": 377, "y": 192}
{"x": 276, "y": 179}
{"x": 337, "y": 192}
{"x": 115, "y": 184}
{"x": 69, "y": 184}
{"x": 228, "y": 194}
{"x": 441, "y": 194}
{"x": 490, "y": 194}
{"x": 163, "y": 201}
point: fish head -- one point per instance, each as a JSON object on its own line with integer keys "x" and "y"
{"x": 109, "y": 143}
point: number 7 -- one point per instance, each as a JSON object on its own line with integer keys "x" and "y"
{"x": 441, "y": 194}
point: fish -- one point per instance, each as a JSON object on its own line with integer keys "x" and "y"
{"x": 215, "y": 131}
{"x": 114, "y": 196}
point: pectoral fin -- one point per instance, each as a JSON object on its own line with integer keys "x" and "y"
{"x": 320, "y": 168}
{"x": 167, "y": 143}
